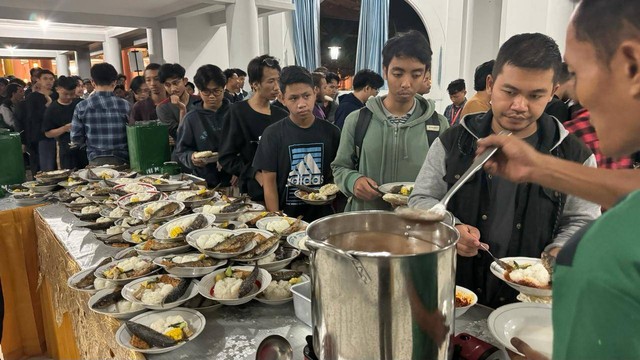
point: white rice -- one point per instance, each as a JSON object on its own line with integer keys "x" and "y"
{"x": 278, "y": 225}
{"x": 184, "y": 195}
{"x": 127, "y": 306}
{"x": 154, "y": 297}
{"x": 100, "y": 284}
{"x": 133, "y": 263}
{"x": 278, "y": 290}
{"x": 115, "y": 230}
{"x": 209, "y": 241}
{"x": 134, "y": 188}
{"x": 163, "y": 325}
{"x": 186, "y": 258}
{"x": 118, "y": 212}
{"x": 227, "y": 288}
{"x": 269, "y": 259}
{"x": 90, "y": 210}
{"x": 213, "y": 209}
{"x": 536, "y": 274}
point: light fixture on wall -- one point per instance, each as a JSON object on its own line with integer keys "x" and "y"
{"x": 334, "y": 52}
{"x": 11, "y": 48}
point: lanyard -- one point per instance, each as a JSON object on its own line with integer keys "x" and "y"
{"x": 455, "y": 116}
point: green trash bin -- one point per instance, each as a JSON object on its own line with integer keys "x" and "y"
{"x": 12, "y": 162}
{"x": 148, "y": 146}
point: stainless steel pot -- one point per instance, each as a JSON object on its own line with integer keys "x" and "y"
{"x": 374, "y": 304}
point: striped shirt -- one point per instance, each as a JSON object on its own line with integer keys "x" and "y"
{"x": 399, "y": 120}
{"x": 100, "y": 122}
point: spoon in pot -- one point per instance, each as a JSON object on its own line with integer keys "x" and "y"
{"x": 274, "y": 347}
{"x": 439, "y": 211}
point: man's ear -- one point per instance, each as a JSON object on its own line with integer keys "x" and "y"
{"x": 384, "y": 73}
{"x": 490, "y": 83}
{"x": 629, "y": 51}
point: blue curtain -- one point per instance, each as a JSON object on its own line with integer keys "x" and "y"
{"x": 372, "y": 34}
{"x": 306, "y": 33}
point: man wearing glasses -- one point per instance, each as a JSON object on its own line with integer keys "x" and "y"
{"x": 171, "y": 111}
{"x": 247, "y": 120}
{"x": 201, "y": 129}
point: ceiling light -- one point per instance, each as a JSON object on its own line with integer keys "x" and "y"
{"x": 334, "y": 52}
{"x": 44, "y": 23}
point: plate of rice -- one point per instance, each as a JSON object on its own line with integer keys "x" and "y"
{"x": 298, "y": 241}
{"x": 122, "y": 309}
{"x": 530, "y": 277}
{"x": 206, "y": 239}
{"x": 282, "y": 225}
{"x": 152, "y": 291}
{"x": 224, "y": 285}
{"x": 279, "y": 291}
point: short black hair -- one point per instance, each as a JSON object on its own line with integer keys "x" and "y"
{"x": 480, "y": 76}
{"x": 240, "y": 72}
{"x": 369, "y": 78}
{"x": 169, "y": 71}
{"x": 152, "y": 66}
{"x": 332, "y": 76}
{"x": 67, "y": 82}
{"x": 104, "y": 74}
{"x": 119, "y": 87}
{"x": 17, "y": 81}
{"x": 322, "y": 69}
{"x": 317, "y": 78}
{"x": 606, "y": 23}
{"x": 34, "y": 71}
{"x": 532, "y": 51}
{"x": 411, "y": 44}
{"x": 190, "y": 84}
{"x": 77, "y": 78}
{"x": 256, "y": 66}
{"x": 86, "y": 81}
{"x": 120, "y": 76}
{"x": 12, "y": 89}
{"x": 456, "y": 86}
{"x": 295, "y": 75}
{"x": 4, "y": 81}
{"x": 136, "y": 83}
{"x": 45, "y": 72}
{"x": 208, "y": 73}
{"x": 228, "y": 74}
{"x": 564, "y": 74}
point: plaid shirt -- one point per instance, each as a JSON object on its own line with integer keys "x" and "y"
{"x": 580, "y": 126}
{"x": 100, "y": 122}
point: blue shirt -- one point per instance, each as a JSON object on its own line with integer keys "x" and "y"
{"x": 100, "y": 122}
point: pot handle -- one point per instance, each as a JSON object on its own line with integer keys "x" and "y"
{"x": 364, "y": 276}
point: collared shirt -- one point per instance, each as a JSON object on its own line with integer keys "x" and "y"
{"x": 582, "y": 128}
{"x": 100, "y": 122}
{"x": 399, "y": 120}
{"x": 452, "y": 113}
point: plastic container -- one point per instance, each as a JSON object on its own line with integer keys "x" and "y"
{"x": 302, "y": 301}
{"x": 148, "y": 147}
{"x": 12, "y": 161}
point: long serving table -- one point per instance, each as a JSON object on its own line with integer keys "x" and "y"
{"x": 74, "y": 331}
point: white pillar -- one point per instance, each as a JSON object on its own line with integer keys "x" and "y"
{"x": 242, "y": 32}
{"x": 111, "y": 49}
{"x": 62, "y": 64}
{"x": 154, "y": 45}
{"x": 83, "y": 61}
{"x": 170, "y": 45}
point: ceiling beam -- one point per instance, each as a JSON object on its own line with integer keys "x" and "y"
{"x": 276, "y": 5}
{"x": 28, "y": 53}
{"x": 76, "y": 18}
{"x": 50, "y": 33}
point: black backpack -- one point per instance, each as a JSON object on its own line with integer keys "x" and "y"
{"x": 432, "y": 128}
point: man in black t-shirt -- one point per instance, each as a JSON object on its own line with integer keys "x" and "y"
{"x": 39, "y": 147}
{"x": 56, "y": 122}
{"x": 245, "y": 122}
{"x": 298, "y": 149}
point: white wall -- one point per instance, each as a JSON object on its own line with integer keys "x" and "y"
{"x": 199, "y": 43}
{"x": 280, "y": 38}
{"x": 170, "y": 49}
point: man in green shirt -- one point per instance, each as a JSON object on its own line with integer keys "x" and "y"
{"x": 596, "y": 281}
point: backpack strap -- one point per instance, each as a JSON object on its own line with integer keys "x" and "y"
{"x": 432, "y": 126}
{"x": 364, "y": 119}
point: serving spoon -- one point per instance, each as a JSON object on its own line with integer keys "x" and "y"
{"x": 274, "y": 347}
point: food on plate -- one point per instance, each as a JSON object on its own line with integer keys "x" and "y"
{"x": 128, "y": 222}
{"x": 396, "y": 199}
{"x": 140, "y": 235}
{"x": 405, "y": 190}
{"x": 135, "y": 188}
{"x": 236, "y": 205}
{"x": 268, "y": 259}
{"x": 199, "y": 302}
{"x": 188, "y": 260}
{"x": 223, "y": 243}
{"x": 226, "y": 225}
{"x": 183, "y": 227}
{"x": 54, "y": 174}
{"x": 88, "y": 280}
{"x": 144, "y": 337}
{"x": 209, "y": 241}
{"x": 101, "y": 175}
{"x": 81, "y": 200}
{"x": 213, "y": 209}
{"x": 312, "y": 196}
{"x": 124, "y": 181}
{"x": 280, "y": 286}
{"x": 329, "y": 189}
{"x": 463, "y": 299}
{"x": 159, "y": 210}
{"x": 118, "y": 213}
{"x": 234, "y": 284}
{"x": 252, "y": 218}
{"x": 155, "y": 245}
{"x": 535, "y": 275}
{"x": 111, "y": 298}
{"x": 286, "y": 226}
{"x": 263, "y": 246}
{"x": 204, "y": 154}
{"x": 100, "y": 284}
{"x": 202, "y": 194}
{"x": 116, "y": 229}
{"x": 129, "y": 268}
{"x": 103, "y": 219}
{"x": 71, "y": 181}
{"x": 142, "y": 197}
{"x": 154, "y": 181}
{"x": 163, "y": 289}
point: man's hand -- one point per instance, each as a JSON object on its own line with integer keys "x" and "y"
{"x": 469, "y": 240}
{"x": 524, "y": 348}
{"x": 197, "y": 162}
{"x": 67, "y": 128}
{"x": 515, "y": 160}
{"x": 366, "y": 189}
{"x": 234, "y": 180}
{"x": 49, "y": 100}
{"x": 175, "y": 100}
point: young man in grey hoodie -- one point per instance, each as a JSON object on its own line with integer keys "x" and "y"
{"x": 397, "y": 138}
{"x": 511, "y": 219}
